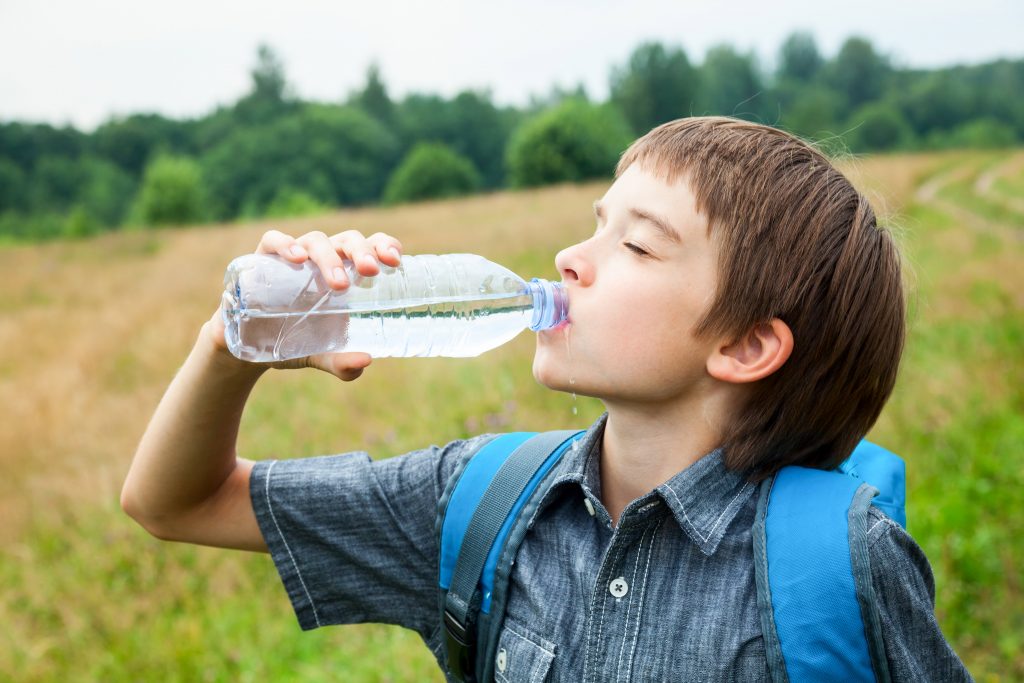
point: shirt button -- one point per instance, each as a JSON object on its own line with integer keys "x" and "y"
{"x": 618, "y": 587}
{"x": 501, "y": 660}
{"x": 590, "y": 506}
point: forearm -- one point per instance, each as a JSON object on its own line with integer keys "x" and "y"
{"x": 189, "y": 447}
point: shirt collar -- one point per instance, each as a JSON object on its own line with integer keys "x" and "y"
{"x": 704, "y": 498}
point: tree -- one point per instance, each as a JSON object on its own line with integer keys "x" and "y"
{"x": 657, "y": 85}
{"x": 105, "y": 192}
{"x": 373, "y": 99}
{"x": 54, "y": 183}
{"x": 939, "y": 100}
{"x": 878, "y": 126}
{"x": 984, "y": 133}
{"x": 997, "y": 88}
{"x": 481, "y": 134}
{"x": 731, "y": 85}
{"x": 337, "y": 155}
{"x": 270, "y": 95}
{"x": 289, "y": 202}
{"x": 812, "y": 111}
{"x": 171, "y": 193}
{"x": 858, "y": 73}
{"x": 572, "y": 142}
{"x": 799, "y": 59}
{"x": 130, "y": 141}
{"x": 470, "y": 124}
{"x": 12, "y": 186}
{"x": 26, "y": 143}
{"x": 431, "y": 171}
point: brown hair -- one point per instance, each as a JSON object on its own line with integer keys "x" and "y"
{"x": 797, "y": 242}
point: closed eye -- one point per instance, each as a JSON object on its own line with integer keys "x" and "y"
{"x": 636, "y": 250}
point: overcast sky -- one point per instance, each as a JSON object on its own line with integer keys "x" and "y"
{"x": 81, "y": 61}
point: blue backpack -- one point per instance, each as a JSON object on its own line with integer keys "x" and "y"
{"x": 814, "y": 589}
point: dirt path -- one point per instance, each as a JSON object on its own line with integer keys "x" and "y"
{"x": 984, "y": 184}
{"x": 930, "y": 193}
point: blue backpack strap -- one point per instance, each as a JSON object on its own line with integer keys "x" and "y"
{"x": 818, "y": 610}
{"x": 884, "y": 470}
{"x": 476, "y": 514}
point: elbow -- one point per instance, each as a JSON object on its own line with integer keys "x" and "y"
{"x": 131, "y": 507}
{"x": 129, "y": 502}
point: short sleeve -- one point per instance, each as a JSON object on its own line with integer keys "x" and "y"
{"x": 915, "y": 648}
{"x": 353, "y": 539}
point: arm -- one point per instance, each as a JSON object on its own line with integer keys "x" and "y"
{"x": 905, "y": 588}
{"x": 186, "y": 482}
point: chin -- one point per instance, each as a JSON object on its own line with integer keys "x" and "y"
{"x": 550, "y": 375}
{"x": 556, "y": 378}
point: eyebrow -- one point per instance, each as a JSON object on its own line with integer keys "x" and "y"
{"x": 662, "y": 225}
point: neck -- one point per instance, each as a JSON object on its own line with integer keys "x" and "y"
{"x": 644, "y": 446}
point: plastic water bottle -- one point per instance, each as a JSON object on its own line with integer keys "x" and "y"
{"x": 455, "y": 305}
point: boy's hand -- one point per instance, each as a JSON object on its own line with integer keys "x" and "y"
{"x": 327, "y": 253}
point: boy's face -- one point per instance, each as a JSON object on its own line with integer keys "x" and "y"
{"x": 631, "y": 315}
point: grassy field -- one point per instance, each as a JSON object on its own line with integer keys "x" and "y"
{"x": 93, "y": 332}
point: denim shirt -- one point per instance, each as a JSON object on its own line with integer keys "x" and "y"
{"x": 667, "y": 595}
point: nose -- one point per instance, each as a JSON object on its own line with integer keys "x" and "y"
{"x": 573, "y": 266}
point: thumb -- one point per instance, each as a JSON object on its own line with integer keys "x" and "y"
{"x": 344, "y": 366}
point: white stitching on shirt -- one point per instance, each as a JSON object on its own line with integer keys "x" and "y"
{"x": 598, "y": 596}
{"x": 704, "y": 539}
{"x": 270, "y": 506}
{"x": 643, "y": 591}
{"x": 887, "y": 521}
{"x": 632, "y": 583}
{"x": 512, "y": 629}
{"x": 880, "y": 520}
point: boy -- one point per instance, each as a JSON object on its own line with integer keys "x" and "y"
{"x": 736, "y": 310}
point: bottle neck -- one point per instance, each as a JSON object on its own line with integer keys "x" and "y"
{"x": 550, "y": 303}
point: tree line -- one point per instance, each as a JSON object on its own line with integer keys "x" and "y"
{"x": 273, "y": 154}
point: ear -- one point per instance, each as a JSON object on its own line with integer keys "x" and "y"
{"x": 759, "y": 353}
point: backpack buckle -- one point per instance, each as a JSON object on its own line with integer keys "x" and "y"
{"x": 461, "y": 648}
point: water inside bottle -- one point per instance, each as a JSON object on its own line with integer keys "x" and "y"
{"x": 442, "y": 326}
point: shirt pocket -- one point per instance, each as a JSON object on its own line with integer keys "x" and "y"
{"x": 522, "y": 656}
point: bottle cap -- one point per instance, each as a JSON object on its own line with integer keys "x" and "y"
{"x": 550, "y": 304}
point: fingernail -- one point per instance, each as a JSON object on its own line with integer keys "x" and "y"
{"x": 368, "y": 258}
{"x": 394, "y": 252}
{"x": 338, "y": 273}
{"x": 296, "y": 250}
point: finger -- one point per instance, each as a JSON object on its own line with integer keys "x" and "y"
{"x": 387, "y": 248}
{"x": 346, "y": 366}
{"x": 277, "y": 242}
{"x": 353, "y": 245}
{"x": 350, "y": 374}
{"x": 326, "y": 257}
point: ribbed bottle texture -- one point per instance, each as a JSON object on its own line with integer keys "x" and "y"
{"x": 455, "y": 305}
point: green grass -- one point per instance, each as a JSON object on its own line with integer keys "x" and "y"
{"x": 1010, "y": 186}
{"x": 957, "y": 416}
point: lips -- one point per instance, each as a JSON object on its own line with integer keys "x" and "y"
{"x": 560, "y": 326}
